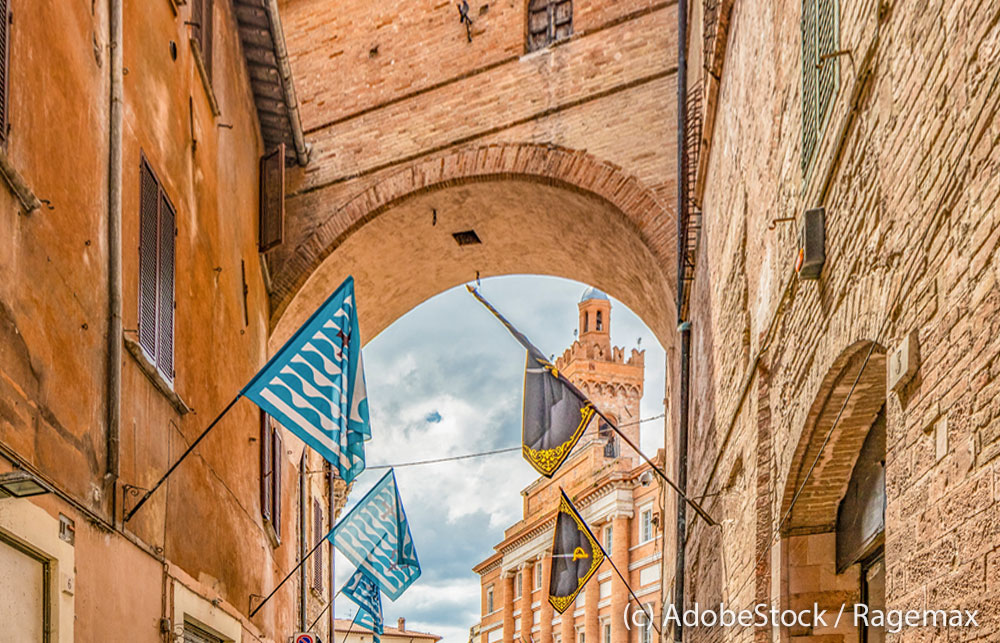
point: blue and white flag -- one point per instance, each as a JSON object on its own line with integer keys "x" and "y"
{"x": 363, "y": 590}
{"x": 375, "y": 536}
{"x": 315, "y": 385}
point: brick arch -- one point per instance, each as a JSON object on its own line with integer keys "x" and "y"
{"x": 570, "y": 169}
{"x": 815, "y": 511}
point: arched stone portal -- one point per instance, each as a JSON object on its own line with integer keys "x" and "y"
{"x": 535, "y": 209}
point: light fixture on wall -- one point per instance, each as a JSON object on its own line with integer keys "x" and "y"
{"x": 20, "y": 484}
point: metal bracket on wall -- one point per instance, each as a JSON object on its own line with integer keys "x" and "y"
{"x": 463, "y": 17}
{"x": 129, "y": 490}
{"x": 774, "y": 222}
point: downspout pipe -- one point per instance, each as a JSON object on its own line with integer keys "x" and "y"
{"x": 285, "y": 71}
{"x": 114, "y": 338}
{"x": 684, "y": 327}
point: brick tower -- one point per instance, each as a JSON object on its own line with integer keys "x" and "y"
{"x": 602, "y": 371}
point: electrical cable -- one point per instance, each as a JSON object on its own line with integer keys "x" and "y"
{"x": 481, "y": 454}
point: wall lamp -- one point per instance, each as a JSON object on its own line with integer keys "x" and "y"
{"x": 21, "y": 484}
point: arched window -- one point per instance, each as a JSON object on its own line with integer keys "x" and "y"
{"x": 549, "y": 21}
{"x": 600, "y": 321}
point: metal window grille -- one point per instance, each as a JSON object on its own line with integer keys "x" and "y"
{"x": 820, "y": 71}
{"x": 549, "y": 21}
{"x": 4, "y": 66}
{"x": 157, "y": 234}
{"x": 317, "y": 576}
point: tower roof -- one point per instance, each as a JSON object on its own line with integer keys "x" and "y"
{"x": 593, "y": 293}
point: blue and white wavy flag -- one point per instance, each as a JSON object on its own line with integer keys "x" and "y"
{"x": 375, "y": 536}
{"x": 315, "y": 385}
{"x": 363, "y": 590}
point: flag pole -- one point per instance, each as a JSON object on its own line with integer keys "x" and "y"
{"x": 186, "y": 453}
{"x": 694, "y": 504}
{"x": 289, "y": 575}
{"x": 607, "y": 557}
{"x": 523, "y": 340}
{"x": 324, "y": 611}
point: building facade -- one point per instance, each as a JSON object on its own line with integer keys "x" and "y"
{"x": 349, "y": 632}
{"x": 616, "y": 493}
{"x": 133, "y": 307}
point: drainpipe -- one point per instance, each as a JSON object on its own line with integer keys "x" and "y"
{"x": 684, "y": 325}
{"x": 114, "y": 365}
{"x": 285, "y": 71}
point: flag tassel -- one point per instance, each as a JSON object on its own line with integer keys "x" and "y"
{"x": 184, "y": 455}
{"x": 289, "y": 575}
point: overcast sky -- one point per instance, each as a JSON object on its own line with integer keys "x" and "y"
{"x": 446, "y": 380}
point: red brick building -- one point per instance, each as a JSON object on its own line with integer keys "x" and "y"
{"x": 617, "y": 495}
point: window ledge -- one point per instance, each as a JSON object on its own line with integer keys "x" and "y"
{"x": 199, "y": 61}
{"x": 150, "y": 370}
{"x": 18, "y": 186}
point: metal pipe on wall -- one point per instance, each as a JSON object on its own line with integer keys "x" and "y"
{"x": 684, "y": 328}
{"x": 114, "y": 339}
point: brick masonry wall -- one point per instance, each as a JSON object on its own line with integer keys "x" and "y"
{"x": 430, "y": 109}
{"x": 907, "y": 171}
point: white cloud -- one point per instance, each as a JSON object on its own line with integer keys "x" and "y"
{"x": 451, "y": 358}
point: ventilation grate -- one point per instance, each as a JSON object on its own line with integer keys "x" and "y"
{"x": 467, "y": 238}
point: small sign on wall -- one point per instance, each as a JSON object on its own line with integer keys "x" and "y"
{"x": 903, "y": 362}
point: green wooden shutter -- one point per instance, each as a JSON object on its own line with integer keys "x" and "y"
{"x": 809, "y": 115}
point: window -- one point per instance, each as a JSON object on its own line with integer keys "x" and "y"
{"x": 646, "y": 631}
{"x": 600, "y": 322}
{"x": 646, "y": 526}
{"x": 4, "y": 68}
{"x": 489, "y": 599}
{"x": 271, "y": 218}
{"x": 538, "y": 575}
{"x": 608, "y": 539}
{"x": 201, "y": 31}
{"x": 549, "y": 21}
{"x": 157, "y": 232}
{"x": 820, "y": 71}
{"x": 606, "y": 433}
{"x": 270, "y": 476}
{"x": 195, "y": 634}
{"x": 582, "y": 638}
{"x": 607, "y": 633}
{"x": 517, "y": 585}
{"x": 317, "y": 580}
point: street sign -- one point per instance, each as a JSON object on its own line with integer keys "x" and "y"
{"x": 305, "y": 637}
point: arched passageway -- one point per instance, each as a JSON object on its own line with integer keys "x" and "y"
{"x": 533, "y": 209}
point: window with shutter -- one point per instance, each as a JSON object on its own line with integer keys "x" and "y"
{"x": 317, "y": 576}
{"x": 549, "y": 21}
{"x": 272, "y": 199}
{"x": 4, "y": 67}
{"x": 195, "y": 634}
{"x": 201, "y": 31}
{"x": 820, "y": 72}
{"x": 266, "y": 468}
{"x": 157, "y": 238}
{"x": 277, "y": 454}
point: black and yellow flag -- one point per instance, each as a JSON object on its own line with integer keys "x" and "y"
{"x": 556, "y": 413}
{"x": 576, "y": 556}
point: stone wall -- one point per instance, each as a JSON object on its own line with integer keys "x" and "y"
{"x": 906, "y": 170}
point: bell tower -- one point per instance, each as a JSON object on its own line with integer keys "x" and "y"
{"x": 604, "y": 373}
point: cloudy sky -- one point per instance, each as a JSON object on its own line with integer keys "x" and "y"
{"x": 446, "y": 380}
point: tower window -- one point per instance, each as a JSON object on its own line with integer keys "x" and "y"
{"x": 586, "y": 322}
{"x": 548, "y": 22}
{"x": 600, "y": 321}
